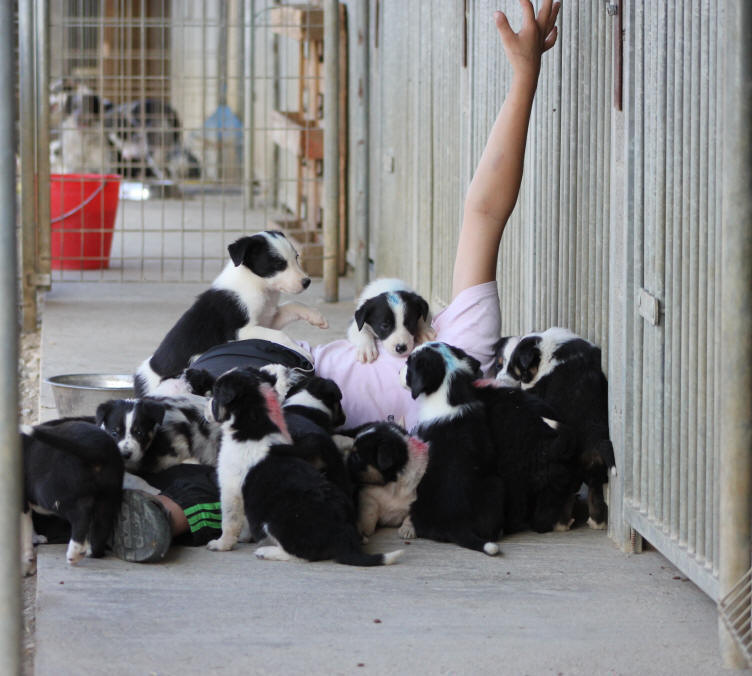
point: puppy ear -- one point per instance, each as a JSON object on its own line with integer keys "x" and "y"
{"x": 423, "y": 306}
{"x": 425, "y": 372}
{"x": 154, "y": 410}
{"x": 361, "y": 314}
{"x": 200, "y": 381}
{"x": 384, "y": 458}
{"x": 237, "y": 250}
{"x": 475, "y": 366}
{"x": 103, "y": 410}
{"x": 225, "y": 391}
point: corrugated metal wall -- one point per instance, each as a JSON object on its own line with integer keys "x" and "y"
{"x": 612, "y": 203}
{"x": 671, "y": 477}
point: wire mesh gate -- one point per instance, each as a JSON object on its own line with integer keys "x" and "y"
{"x": 175, "y": 127}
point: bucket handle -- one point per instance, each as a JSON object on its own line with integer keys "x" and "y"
{"x": 80, "y": 206}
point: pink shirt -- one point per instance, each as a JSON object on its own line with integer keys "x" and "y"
{"x": 373, "y": 391}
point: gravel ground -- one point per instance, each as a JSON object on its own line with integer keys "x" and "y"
{"x": 28, "y": 405}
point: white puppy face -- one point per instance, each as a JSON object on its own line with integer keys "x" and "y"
{"x": 393, "y": 317}
{"x": 270, "y": 256}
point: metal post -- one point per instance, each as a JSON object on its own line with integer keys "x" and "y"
{"x": 736, "y": 314}
{"x": 331, "y": 150}
{"x": 10, "y": 465}
{"x": 27, "y": 152}
{"x": 249, "y": 75}
{"x": 360, "y": 143}
{"x": 42, "y": 100}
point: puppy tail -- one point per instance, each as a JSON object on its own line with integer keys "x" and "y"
{"x": 105, "y": 451}
{"x": 146, "y": 379}
{"x": 606, "y": 452}
{"x": 471, "y": 541}
{"x": 358, "y": 558}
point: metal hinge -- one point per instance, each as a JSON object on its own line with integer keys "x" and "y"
{"x": 43, "y": 280}
{"x": 649, "y": 307}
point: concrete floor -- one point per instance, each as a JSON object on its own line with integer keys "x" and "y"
{"x": 567, "y": 603}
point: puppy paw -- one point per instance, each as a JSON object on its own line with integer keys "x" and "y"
{"x": 272, "y": 553}
{"x": 38, "y": 539}
{"x": 220, "y": 545}
{"x": 595, "y": 525}
{"x": 425, "y": 335}
{"x": 407, "y": 530}
{"x": 76, "y": 551}
{"x": 28, "y": 564}
{"x": 562, "y": 527}
{"x": 315, "y": 318}
{"x": 367, "y": 353}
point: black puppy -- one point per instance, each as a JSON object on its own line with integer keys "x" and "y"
{"x": 461, "y": 497}
{"x": 565, "y": 371}
{"x": 73, "y": 470}
{"x": 312, "y": 410}
{"x": 537, "y": 459}
{"x": 284, "y": 497}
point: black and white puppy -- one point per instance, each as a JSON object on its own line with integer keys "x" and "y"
{"x": 537, "y": 459}
{"x": 73, "y": 470}
{"x": 565, "y": 371}
{"x": 461, "y": 497}
{"x": 313, "y": 409}
{"x": 244, "y": 296}
{"x": 503, "y": 350}
{"x": 388, "y": 465}
{"x": 154, "y": 433}
{"x": 284, "y": 497}
{"x": 390, "y": 312}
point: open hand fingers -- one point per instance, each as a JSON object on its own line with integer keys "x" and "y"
{"x": 502, "y": 25}
{"x": 528, "y": 13}
{"x": 549, "y": 25}
{"x": 550, "y": 40}
{"x": 544, "y": 14}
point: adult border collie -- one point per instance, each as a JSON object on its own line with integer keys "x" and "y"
{"x": 565, "y": 371}
{"x": 284, "y": 497}
{"x": 460, "y": 498}
{"x": 245, "y": 295}
{"x": 73, "y": 470}
{"x": 390, "y": 312}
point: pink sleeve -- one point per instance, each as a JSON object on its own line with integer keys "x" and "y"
{"x": 472, "y": 322}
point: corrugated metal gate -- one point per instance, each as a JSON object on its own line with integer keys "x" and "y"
{"x": 618, "y": 215}
{"x": 674, "y": 107}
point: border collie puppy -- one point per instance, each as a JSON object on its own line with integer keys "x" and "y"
{"x": 284, "y": 497}
{"x": 565, "y": 371}
{"x": 392, "y": 313}
{"x": 73, "y": 470}
{"x": 388, "y": 464}
{"x": 155, "y": 433}
{"x": 244, "y": 295}
{"x": 460, "y": 498}
{"x": 537, "y": 459}
{"x": 312, "y": 409}
{"x": 503, "y": 349}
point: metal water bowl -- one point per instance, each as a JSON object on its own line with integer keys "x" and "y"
{"x": 80, "y": 393}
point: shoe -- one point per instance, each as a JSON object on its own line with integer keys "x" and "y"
{"x": 142, "y": 532}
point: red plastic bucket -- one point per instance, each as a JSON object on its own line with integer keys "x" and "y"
{"x": 82, "y": 217}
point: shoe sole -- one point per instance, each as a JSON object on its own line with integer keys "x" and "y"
{"x": 141, "y": 533}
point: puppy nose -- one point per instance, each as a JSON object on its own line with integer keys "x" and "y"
{"x": 400, "y": 348}
{"x": 306, "y": 282}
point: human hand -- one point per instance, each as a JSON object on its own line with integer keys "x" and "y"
{"x": 537, "y": 35}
